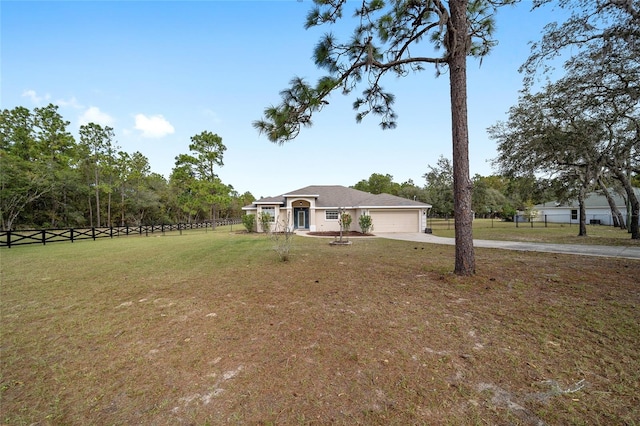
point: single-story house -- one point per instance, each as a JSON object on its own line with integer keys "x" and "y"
{"x": 316, "y": 209}
{"x": 596, "y": 207}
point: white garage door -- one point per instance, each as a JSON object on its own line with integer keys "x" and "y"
{"x": 395, "y": 220}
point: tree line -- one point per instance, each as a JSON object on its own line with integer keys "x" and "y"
{"x": 49, "y": 179}
{"x": 493, "y": 196}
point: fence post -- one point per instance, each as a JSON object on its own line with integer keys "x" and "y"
{"x": 71, "y": 234}
{"x": 9, "y": 238}
{"x": 545, "y": 220}
{"x": 516, "y": 219}
{"x": 111, "y": 231}
{"x": 93, "y": 233}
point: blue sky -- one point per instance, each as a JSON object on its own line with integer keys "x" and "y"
{"x": 161, "y": 72}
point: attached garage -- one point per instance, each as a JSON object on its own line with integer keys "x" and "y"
{"x": 395, "y": 220}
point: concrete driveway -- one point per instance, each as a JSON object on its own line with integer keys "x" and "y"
{"x": 577, "y": 249}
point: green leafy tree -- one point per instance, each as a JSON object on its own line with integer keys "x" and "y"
{"x": 411, "y": 191}
{"x": 57, "y": 153}
{"x": 544, "y": 133}
{"x": 384, "y": 42}
{"x": 608, "y": 25}
{"x": 97, "y": 141}
{"x": 37, "y": 155}
{"x": 378, "y": 184}
{"x": 439, "y": 187}
{"x": 197, "y": 171}
{"x": 487, "y": 200}
{"x": 22, "y": 180}
{"x": 606, "y": 31}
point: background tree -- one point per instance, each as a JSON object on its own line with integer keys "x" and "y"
{"x": 606, "y": 31}
{"x": 383, "y": 40}
{"x": 412, "y": 191}
{"x": 57, "y": 154}
{"x": 487, "y": 201}
{"x": 97, "y": 141}
{"x": 378, "y": 184}
{"x": 37, "y": 155}
{"x": 22, "y": 180}
{"x": 598, "y": 97}
{"x": 47, "y": 179}
{"x": 196, "y": 173}
{"x": 601, "y": 24}
{"x": 546, "y": 133}
{"x": 439, "y": 188}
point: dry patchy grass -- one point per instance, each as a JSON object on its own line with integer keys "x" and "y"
{"x": 212, "y": 329}
{"x": 556, "y": 233}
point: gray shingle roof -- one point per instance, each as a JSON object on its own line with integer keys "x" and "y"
{"x": 342, "y": 196}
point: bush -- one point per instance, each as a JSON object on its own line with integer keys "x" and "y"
{"x": 265, "y": 222}
{"x": 249, "y": 222}
{"x": 282, "y": 236}
{"x": 345, "y": 221}
{"x": 366, "y": 224}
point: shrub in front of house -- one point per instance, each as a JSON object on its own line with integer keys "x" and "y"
{"x": 265, "y": 222}
{"x": 249, "y": 222}
{"x": 366, "y": 223}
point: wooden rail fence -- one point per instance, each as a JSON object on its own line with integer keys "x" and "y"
{"x": 43, "y": 236}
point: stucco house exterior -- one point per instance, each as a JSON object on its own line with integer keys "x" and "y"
{"x": 596, "y": 207}
{"x": 316, "y": 209}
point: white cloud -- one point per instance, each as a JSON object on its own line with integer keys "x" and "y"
{"x": 94, "y": 115}
{"x": 72, "y": 102}
{"x": 33, "y": 96}
{"x": 155, "y": 126}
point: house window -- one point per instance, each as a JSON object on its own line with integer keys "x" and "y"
{"x": 574, "y": 214}
{"x": 331, "y": 214}
{"x": 271, "y": 211}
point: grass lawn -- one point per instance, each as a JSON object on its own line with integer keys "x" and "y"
{"x": 210, "y": 328}
{"x": 487, "y": 229}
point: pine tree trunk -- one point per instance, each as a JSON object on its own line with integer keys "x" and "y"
{"x": 97, "y": 198}
{"x": 457, "y": 43}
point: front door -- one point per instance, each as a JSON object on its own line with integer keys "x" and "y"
{"x": 300, "y": 218}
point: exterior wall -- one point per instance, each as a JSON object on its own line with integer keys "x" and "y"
{"x": 563, "y": 215}
{"x": 280, "y": 216}
{"x": 328, "y": 225}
